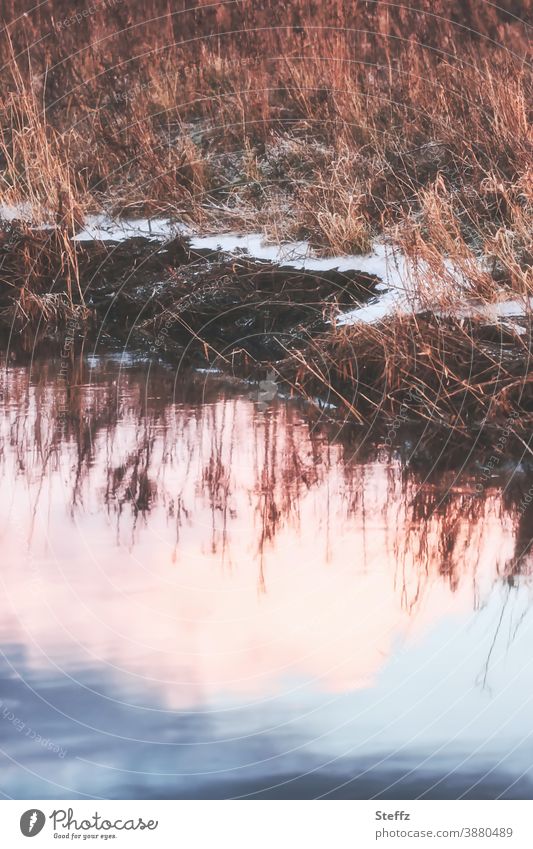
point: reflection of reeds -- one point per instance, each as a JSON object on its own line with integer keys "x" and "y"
{"x": 261, "y": 471}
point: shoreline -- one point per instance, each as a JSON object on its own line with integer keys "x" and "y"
{"x": 210, "y": 306}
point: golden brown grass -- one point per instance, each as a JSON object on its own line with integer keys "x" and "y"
{"x": 452, "y": 372}
{"x": 182, "y": 108}
{"x": 337, "y": 122}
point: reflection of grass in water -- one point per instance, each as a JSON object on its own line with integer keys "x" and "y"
{"x": 186, "y": 459}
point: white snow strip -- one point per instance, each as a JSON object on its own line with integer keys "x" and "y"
{"x": 16, "y": 212}
{"x": 395, "y": 301}
{"x": 391, "y": 302}
{"x": 103, "y": 227}
{"x": 384, "y": 262}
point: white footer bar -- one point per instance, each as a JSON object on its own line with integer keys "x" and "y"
{"x": 268, "y": 824}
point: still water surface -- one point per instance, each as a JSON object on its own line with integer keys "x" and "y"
{"x": 206, "y": 596}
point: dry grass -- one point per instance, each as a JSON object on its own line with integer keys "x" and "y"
{"x": 143, "y": 107}
{"x": 336, "y": 122}
{"x": 452, "y": 372}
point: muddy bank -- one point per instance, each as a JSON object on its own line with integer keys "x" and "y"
{"x": 182, "y": 297}
{"x": 205, "y": 306}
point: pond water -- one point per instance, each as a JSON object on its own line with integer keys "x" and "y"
{"x": 209, "y": 594}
